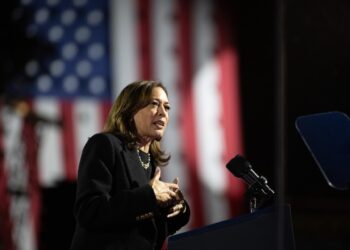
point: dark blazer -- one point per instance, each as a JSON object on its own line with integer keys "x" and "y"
{"x": 115, "y": 208}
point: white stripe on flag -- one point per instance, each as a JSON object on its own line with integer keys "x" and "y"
{"x": 24, "y": 237}
{"x": 14, "y": 150}
{"x": 207, "y": 107}
{"x": 50, "y": 158}
{"x": 17, "y": 173}
{"x": 164, "y": 44}
{"x": 87, "y": 121}
{"x": 210, "y": 143}
{"x": 204, "y": 39}
{"x": 123, "y": 44}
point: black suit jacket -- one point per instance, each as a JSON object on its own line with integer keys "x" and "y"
{"x": 115, "y": 207}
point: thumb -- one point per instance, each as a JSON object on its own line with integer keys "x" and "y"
{"x": 157, "y": 173}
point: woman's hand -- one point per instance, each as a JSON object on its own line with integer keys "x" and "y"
{"x": 179, "y": 205}
{"x": 165, "y": 192}
{"x": 178, "y": 208}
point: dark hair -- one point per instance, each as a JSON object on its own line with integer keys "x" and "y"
{"x": 134, "y": 97}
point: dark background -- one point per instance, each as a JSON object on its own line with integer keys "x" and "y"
{"x": 317, "y": 61}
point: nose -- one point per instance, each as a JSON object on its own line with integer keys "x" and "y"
{"x": 162, "y": 111}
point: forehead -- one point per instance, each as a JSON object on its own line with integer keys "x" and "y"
{"x": 159, "y": 93}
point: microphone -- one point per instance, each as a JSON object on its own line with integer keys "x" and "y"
{"x": 258, "y": 187}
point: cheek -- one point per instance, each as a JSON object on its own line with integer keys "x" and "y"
{"x": 143, "y": 122}
{"x": 167, "y": 120}
{"x": 139, "y": 121}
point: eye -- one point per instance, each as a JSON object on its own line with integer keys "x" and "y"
{"x": 167, "y": 107}
{"x": 155, "y": 103}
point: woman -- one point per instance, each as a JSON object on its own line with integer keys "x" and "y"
{"x": 121, "y": 202}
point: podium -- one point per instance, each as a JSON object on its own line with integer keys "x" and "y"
{"x": 264, "y": 229}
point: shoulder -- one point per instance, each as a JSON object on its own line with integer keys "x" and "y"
{"x": 106, "y": 139}
{"x": 103, "y": 145}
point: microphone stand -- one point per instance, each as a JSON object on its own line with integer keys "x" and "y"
{"x": 259, "y": 193}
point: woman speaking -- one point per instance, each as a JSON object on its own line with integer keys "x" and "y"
{"x": 121, "y": 202}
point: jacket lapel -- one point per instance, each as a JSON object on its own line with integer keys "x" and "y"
{"x": 135, "y": 171}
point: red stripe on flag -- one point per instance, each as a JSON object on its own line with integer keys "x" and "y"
{"x": 5, "y": 215}
{"x": 69, "y": 149}
{"x": 144, "y": 38}
{"x": 104, "y": 108}
{"x": 230, "y": 98}
{"x": 187, "y": 117}
{"x": 31, "y": 159}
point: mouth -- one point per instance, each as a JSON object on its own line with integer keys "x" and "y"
{"x": 159, "y": 124}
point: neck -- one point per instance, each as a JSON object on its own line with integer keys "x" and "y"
{"x": 144, "y": 145}
{"x": 144, "y": 148}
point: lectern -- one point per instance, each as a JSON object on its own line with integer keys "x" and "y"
{"x": 264, "y": 229}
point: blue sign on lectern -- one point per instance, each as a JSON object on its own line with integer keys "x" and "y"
{"x": 327, "y": 136}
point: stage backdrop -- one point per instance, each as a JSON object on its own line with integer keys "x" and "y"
{"x": 84, "y": 53}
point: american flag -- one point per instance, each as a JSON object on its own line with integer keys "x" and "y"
{"x": 96, "y": 48}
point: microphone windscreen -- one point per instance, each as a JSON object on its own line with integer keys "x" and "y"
{"x": 238, "y": 166}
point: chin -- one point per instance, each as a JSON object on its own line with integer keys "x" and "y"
{"x": 158, "y": 136}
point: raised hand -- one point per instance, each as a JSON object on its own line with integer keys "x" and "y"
{"x": 165, "y": 192}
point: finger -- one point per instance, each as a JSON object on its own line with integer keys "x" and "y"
{"x": 173, "y": 214}
{"x": 175, "y": 210}
{"x": 172, "y": 194}
{"x": 176, "y": 180}
{"x": 156, "y": 176}
{"x": 173, "y": 186}
{"x": 157, "y": 173}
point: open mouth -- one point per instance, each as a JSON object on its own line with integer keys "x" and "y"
{"x": 159, "y": 124}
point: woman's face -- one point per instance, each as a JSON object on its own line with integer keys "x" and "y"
{"x": 152, "y": 120}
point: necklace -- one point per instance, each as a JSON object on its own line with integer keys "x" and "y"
{"x": 146, "y": 164}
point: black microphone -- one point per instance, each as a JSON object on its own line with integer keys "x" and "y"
{"x": 241, "y": 168}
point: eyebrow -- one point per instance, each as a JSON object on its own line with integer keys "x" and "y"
{"x": 159, "y": 100}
